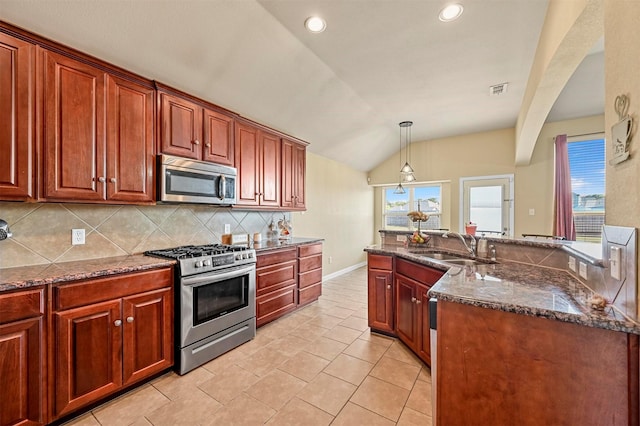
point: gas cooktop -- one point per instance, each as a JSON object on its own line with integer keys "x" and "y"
{"x": 205, "y": 258}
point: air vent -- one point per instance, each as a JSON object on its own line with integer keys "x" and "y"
{"x": 498, "y": 89}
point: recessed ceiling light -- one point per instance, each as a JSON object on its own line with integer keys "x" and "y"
{"x": 315, "y": 24}
{"x": 451, "y": 13}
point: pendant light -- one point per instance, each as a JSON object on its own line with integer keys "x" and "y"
{"x": 406, "y": 170}
{"x": 400, "y": 189}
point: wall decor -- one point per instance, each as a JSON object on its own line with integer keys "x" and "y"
{"x": 621, "y": 131}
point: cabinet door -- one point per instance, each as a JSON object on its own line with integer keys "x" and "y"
{"x": 406, "y": 312}
{"x": 148, "y": 334}
{"x": 88, "y": 347}
{"x": 17, "y": 103}
{"x": 269, "y": 169}
{"x": 300, "y": 170}
{"x": 380, "y": 300}
{"x": 248, "y": 164}
{"x": 218, "y": 138}
{"x": 74, "y": 137}
{"x": 288, "y": 173}
{"x": 181, "y": 127}
{"x": 130, "y": 160}
{"x": 21, "y": 395}
{"x": 424, "y": 338}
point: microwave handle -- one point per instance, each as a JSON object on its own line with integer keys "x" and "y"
{"x": 222, "y": 187}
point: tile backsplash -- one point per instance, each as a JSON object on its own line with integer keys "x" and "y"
{"x": 42, "y": 232}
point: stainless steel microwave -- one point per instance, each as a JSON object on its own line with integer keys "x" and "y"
{"x": 182, "y": 180}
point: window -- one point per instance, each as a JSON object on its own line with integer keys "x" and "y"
{"x": 396, "y": 207}
{"x": 587, "y": 169}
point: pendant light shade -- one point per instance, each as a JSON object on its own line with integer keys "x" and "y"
{"x": 406, "y": 170}
{"x": 399, "y": 189}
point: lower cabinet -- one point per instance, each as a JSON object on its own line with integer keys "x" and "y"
{"x": 397, "y": 300}
{"x": 412, "y": 283}
{"x": 287, "y": 278}
{"x": 107, "y": 334}
{"x": 22, "y": 355}
{"x": 309, "y": 273}
{"x": 380, "y": 293}
{"x": 276, "y": 284}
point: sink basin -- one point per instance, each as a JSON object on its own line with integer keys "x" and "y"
{"x": 452, "y": 259}
{"x": 441, "y": 256}
{"x": 462, "y": 261}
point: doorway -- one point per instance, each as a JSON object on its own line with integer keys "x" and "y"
{"x": 487, "y": 201}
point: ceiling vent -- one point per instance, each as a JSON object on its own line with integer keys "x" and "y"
{"x": 498, "y": 89}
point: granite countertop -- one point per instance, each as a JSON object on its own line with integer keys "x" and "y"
{"x": 31, "y": 276}
{"x": 265, "y": 245}
{"x": 519, "y": 288}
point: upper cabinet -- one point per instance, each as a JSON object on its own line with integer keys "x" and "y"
{"x": 293, "y": 175}
{"x": 17, "y": 109}
{"x": 258, "y": 156}
{"x": 188, "y": 129}
{"x": 98, "y": 134}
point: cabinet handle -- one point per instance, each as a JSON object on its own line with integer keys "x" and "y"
{"x": 413, "y": 299}
{"x": 129, "y": 320}
{"x": 101, "y": 179}
{"x": 418, "y": 301}
{"x": 112, "y": 180}
{"x": 388, "y": 286}
{"x": 117, "y": 323}
{"x": 196, "y": 142}
{"x": 207, "y": 144}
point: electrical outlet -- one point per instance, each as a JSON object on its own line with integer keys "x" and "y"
{"x": 583, "y": 270}
{"x": 227, "y": 228}
{"x": 401, "y": 238}
{"x": 572, "y": 263}
{"x": 77, "y": 237}
{"x": 330, "y": 259}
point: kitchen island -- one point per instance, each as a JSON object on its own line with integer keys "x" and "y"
{"x": 518, "y": 343}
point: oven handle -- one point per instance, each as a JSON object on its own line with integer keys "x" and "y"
{"x": 211, "y": 277}
{"x": 222, "y": 187}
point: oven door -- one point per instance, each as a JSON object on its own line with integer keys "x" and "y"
{"x": 215, "y": 301}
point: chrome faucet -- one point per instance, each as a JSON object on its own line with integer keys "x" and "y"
{"x": 470, "y": 248}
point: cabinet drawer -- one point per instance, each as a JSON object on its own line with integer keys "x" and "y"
{"x": 309, "y": 294}
{"x": 276, "y": 276}
{"x": 113, "y": 287}
{"x": 310, "y": 250}
{"x": 377, "y": 261}
{"x": 276, "y": 256}
{"x": 21, "y": 305}
{"x": 420, "y": 273}
{"x": 310, "y": 263}
{"x": 275, "y": 304}
{"x": 309, "y": 278}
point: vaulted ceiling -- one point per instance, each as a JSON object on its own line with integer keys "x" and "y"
{"x": 344, "y": 90}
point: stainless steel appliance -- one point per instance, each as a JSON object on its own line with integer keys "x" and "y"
{"x": 215, "y": 301}
{"x": 181, "y": 180}
{"x": 433, "y": 337}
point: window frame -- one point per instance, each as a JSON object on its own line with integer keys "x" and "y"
{"x": 410, "y": 188}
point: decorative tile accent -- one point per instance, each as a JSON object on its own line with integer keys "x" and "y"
{"x": 42, "y": 232}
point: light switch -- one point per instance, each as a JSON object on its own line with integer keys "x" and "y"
{"x": 532, "y": 212}
{"x": 583, "y": 270}
{"x": 615, "y": 257}
{"x": 572, "y": 263}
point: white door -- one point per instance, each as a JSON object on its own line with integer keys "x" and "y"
{"x": 488, "y": 202}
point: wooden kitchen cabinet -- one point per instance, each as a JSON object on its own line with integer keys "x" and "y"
{"x": 412, "y": 282}
{"x": 257, "y": 158}
{"x": 189, "y": 129}
{"x": 17, "y": 126}
{"x": 276, "y": 284}
{"x": 98, "y": 134}
{"x": 293, "y": 175}
{"x": 380, "y": 293}
{"x": 107, "y": 334}
{"x": 22, "y": 357}
{"x": 309, "y": 273}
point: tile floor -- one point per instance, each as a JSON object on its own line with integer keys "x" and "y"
{"x": 317, "y": 366}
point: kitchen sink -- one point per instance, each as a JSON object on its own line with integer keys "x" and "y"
{"x": 452, "y": 259}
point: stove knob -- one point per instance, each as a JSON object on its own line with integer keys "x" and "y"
{"x": 238, "y": 256}
{"x": 198, "y": 264}
{"x": 207, "y": 262}
{"x": 250, "y": 255}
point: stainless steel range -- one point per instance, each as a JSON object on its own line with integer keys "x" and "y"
{"x": 215, "y": 300}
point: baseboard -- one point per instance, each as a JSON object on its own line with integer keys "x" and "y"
{"x": 344, "y": 271}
